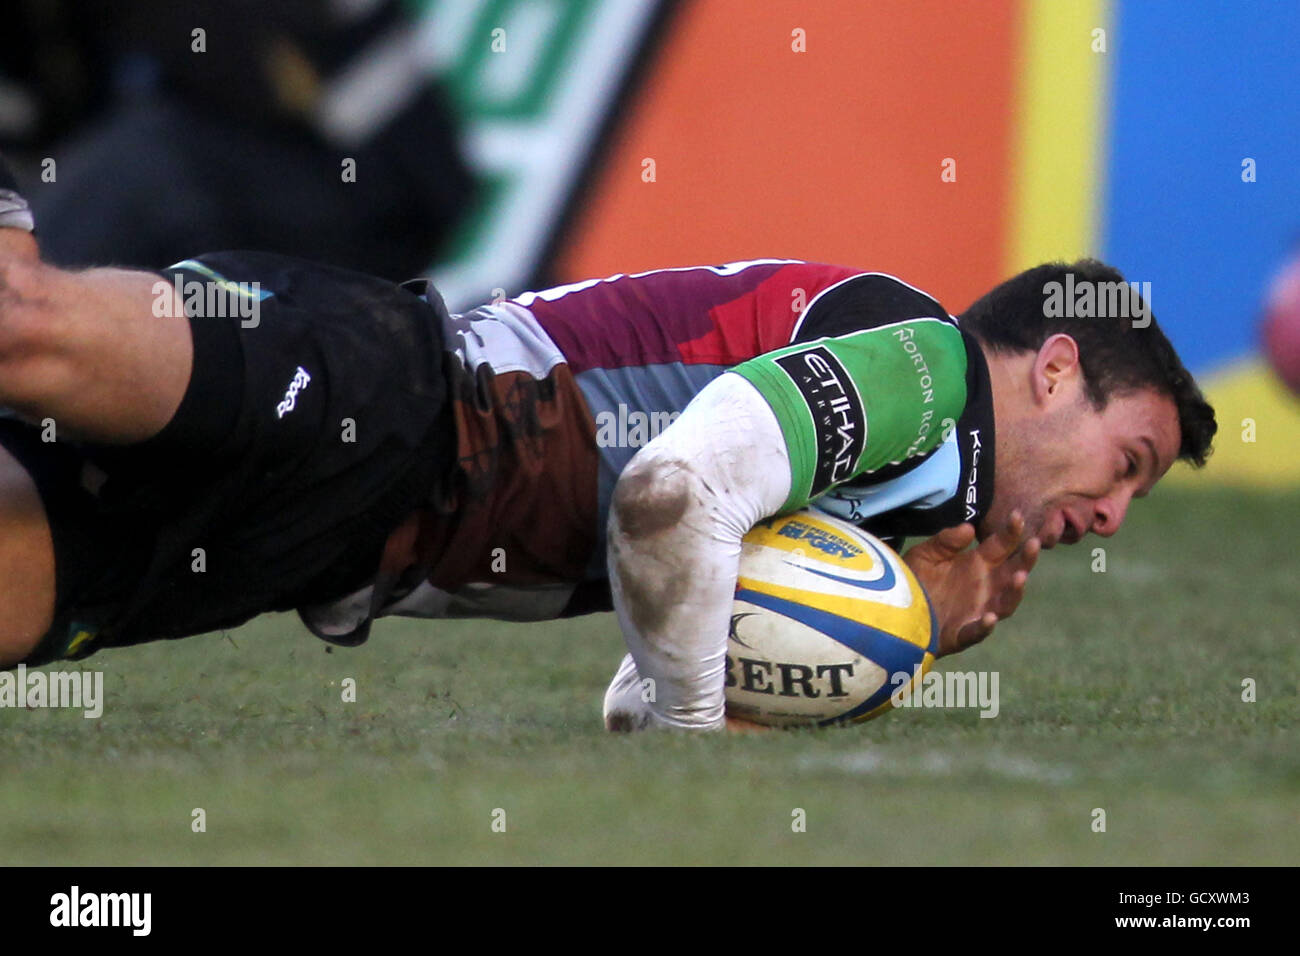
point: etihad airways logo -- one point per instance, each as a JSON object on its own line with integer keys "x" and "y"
{"x": 839, "y": 425}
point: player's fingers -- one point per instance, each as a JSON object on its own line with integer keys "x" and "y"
{"x": 1023, "y": 560}
{"x": 975, "y": 631}
{"x": 1029, "y": 553}
{"x": 947, "y": 544}
{"x": 999, "y": 546}
{"x": 1010, "y": 597}
{"x": 955, "y": 540}
{"x": 736, "y": 725}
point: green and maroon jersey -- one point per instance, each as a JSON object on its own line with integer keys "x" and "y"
{"x": 882, "y": 400}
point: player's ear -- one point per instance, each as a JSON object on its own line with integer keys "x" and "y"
{"x": 1056, "y": 369}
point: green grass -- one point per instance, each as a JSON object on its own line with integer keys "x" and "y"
{"x": 1119, "y": 690}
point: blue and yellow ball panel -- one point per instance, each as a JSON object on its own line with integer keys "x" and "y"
{"x": 825, "y": 616}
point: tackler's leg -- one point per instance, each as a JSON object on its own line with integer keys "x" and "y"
{"x": 104, "y": 355}
{"x": 26, "y": 564}
{"x": 101, "y": 355}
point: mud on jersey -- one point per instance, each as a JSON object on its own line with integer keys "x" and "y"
{"x": 883, "y": 402}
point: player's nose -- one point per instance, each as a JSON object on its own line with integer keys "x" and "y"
{"x": 1109, "y": 514}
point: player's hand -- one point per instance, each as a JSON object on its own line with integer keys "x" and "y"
{"x": 737, "y": 726}
{"x": 971, "y": 589}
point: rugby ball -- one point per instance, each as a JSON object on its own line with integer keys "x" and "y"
{"x": 1281, "y": 331}
{"x": 828, "y": 623}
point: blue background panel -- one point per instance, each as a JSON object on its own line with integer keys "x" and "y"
{"x": 1197, "y": 87}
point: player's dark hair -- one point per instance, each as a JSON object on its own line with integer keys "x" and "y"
{"x": 1117, "y": 354}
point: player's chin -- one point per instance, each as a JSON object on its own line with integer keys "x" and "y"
{"x": 1049, "y": 528}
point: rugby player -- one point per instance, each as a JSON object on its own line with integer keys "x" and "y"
{"x": 348, "y": 449}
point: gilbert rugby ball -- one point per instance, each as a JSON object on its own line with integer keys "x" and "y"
{"x": 828, "y": 623}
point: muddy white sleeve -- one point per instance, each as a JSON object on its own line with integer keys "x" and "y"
{"x": 680, "y": 510}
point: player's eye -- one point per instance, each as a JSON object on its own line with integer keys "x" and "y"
{"x": 1132, "y": 467}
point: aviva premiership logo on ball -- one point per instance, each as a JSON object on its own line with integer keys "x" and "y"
{"x": 824, "y": 614}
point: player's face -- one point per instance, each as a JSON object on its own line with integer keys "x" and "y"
{"x": 1072, "y": 470}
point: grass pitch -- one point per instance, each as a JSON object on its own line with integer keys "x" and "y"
{"x": 1120, "y": 690}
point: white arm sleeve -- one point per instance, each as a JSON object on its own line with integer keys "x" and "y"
{"x": 680, "y": 510}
